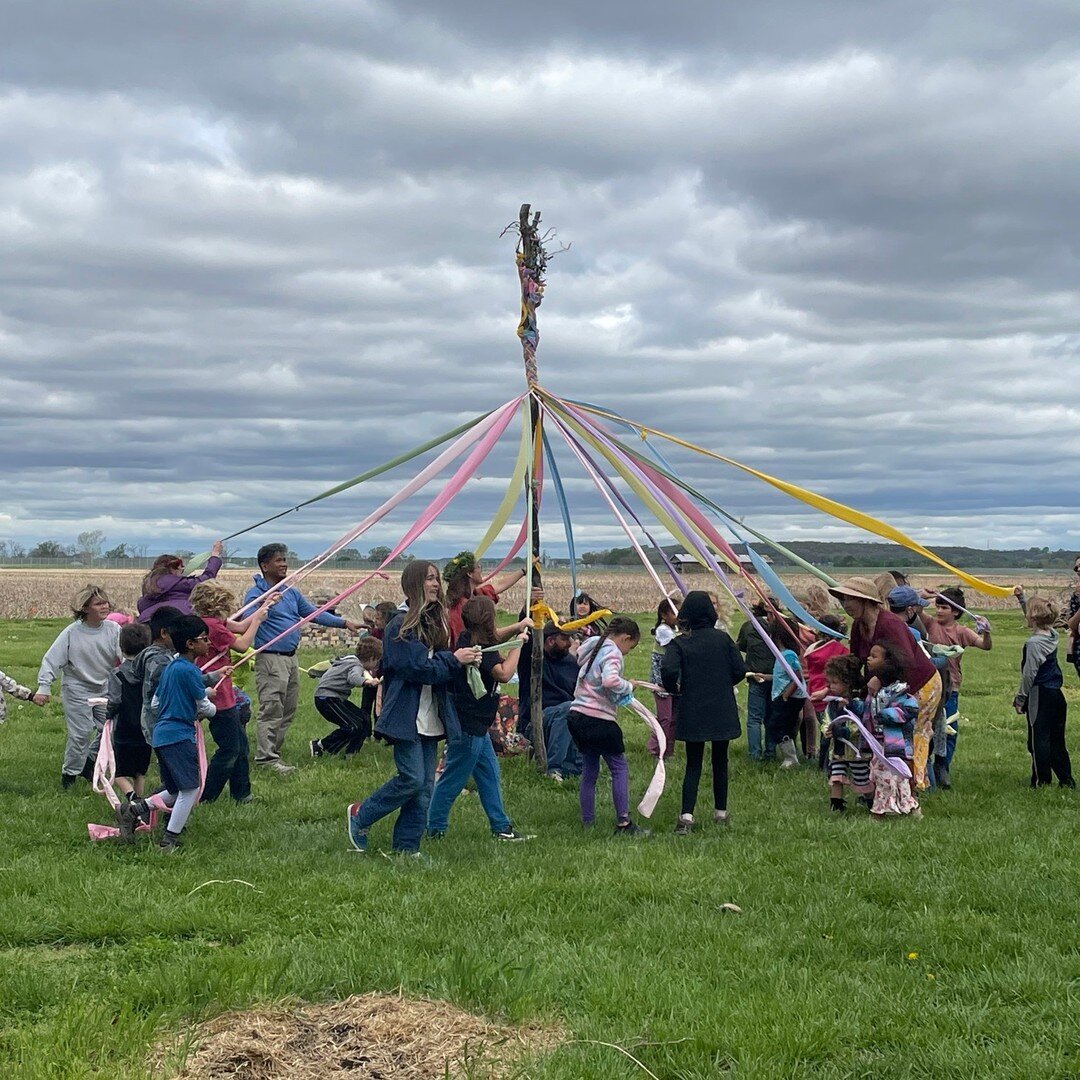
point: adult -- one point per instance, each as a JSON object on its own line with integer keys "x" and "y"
{"x": 557, "y": 695}
{"x": 701, "y": 667}
{"x": 872, "y": 625}
{"x": 277, "y": 674}
{"x": 465, "y": 579}
{"x": 905, "y": 602}
{"x": 759, "y": 667}
{"x": 166, "y": 585}
{"x": 417, "y": 709}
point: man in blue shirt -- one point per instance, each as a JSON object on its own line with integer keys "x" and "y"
{"x": 277, "y": 674}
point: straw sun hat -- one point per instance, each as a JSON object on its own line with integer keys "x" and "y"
{"x": 861, "y": 588}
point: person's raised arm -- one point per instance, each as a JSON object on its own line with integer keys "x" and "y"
{"x": 505, "y": 670}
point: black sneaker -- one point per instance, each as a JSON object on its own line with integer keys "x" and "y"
{"x": 316, "y": 748}
{"x": 512, "y": 836}
{"x": 628, "y": 828}
{"x": 67, "y": 780}
{"x": 128, "y": 818}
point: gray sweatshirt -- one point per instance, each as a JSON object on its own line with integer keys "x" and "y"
{"x": 85, "y": 656}
{"x": 342, "y": 677}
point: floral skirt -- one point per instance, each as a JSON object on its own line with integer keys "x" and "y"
{"x": 892, "y": 793}
{"x": 929, "y": 699}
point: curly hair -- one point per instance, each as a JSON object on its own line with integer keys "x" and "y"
{"x": 211, "y": 600}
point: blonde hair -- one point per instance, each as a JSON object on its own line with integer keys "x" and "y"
{"x": 885, "y": 584}
{"x": 85, "y": 597}
{"x": 211, "y": 600}
{"x": 1042, "y": 612}
{"x": 815, "y": 599}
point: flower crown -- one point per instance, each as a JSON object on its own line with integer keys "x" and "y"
{"x": 462, "y": 561}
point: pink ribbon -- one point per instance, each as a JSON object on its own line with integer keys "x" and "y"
{"x": 659, "y": 776}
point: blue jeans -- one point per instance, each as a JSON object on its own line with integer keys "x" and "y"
{"x": 409, "y": 792}
{"x": 952, "y": 707}
{"x": 469, "y": 755}
{"x": 758, "y": 703}
{"x": 230, "y": 764}
{"x": 562, "y": 752}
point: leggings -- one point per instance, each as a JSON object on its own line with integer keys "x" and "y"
{"x": 620, "y": 785}
{"x": 182, "y": 804}
{"x": 695, "y": 754}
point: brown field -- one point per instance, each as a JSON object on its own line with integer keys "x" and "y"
{"x": 28, "y": 594}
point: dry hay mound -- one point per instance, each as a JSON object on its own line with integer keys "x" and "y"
{"x": 370, "y": 1037}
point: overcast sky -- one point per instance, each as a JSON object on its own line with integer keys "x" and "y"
{"x": 251, "y": 249}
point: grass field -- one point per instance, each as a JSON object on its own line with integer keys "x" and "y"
{"x": 941, "y": 948}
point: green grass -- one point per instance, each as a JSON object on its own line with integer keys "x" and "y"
{"x": 108, "y": 949}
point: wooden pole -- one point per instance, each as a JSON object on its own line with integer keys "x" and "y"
{"x": 532, "y": 261}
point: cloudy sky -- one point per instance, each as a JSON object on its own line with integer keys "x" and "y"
{"x": 253, "y": 248}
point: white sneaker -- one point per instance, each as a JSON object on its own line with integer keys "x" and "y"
{"x": 282, "y": 768}
{"x": 722, "y": 817}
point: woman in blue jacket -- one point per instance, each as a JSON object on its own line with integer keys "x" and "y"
{"x": 417, "y": 710}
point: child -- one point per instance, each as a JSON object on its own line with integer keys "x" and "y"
{"x": 946, "y": 629}
{"x": 582, "y": 606}
{"x": 667, "y": 619}
{"x": 213, "y": 603}
{"x": 1040, "y": 697}
{"x": 181, "y": 699}
{"x": 16, "y": 690}
{"x": 85, "y": 654}
{"x": 352, "y": 724}
{"x": 817, "y": 655}
{"x": 601, "y": 688}
{"x": 152, "y": 661}
{"x": 848, "y": 760}
{"x": 703, "y": 666}
{"x": 385, "y": 611}
{"x": 786, "y": 708}
{"x": 471, "y": 753}
{"x": 417, "y": 710}
{"x": 131, "y": 751}
{"x": 890, "y": 713}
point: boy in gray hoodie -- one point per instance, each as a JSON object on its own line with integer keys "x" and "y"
{"x": 332, "y": 698}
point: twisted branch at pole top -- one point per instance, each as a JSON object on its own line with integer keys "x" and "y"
{"x": 531, "y": 263}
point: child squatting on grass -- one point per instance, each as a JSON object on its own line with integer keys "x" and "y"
{"x": 1040, "y": 696}
{"x": 181, "y": 699}
{"x": 83, "y": 657}
{"x": 601, "y": 689}
{"x": 343, "y": 674}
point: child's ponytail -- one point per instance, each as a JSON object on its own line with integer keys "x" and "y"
{"x": 621, "y": 624}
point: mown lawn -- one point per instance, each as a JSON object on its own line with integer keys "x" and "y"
{"x": 941, "y": 948}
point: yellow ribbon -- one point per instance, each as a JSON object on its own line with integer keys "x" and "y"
{"x": 828, "y": 506}
{"x": 542, "y": 613}
{"x": 513, "y": 490}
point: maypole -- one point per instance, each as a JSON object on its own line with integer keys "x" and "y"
{"x": 531, "y": 263}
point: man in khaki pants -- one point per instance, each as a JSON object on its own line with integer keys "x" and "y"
{"x": 277, "y": 674}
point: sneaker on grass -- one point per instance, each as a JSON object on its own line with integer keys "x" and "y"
{"x": 685, "y": 826}
{"x": 722, "y": 817}
{"x": 316, "y": 748}
{"x": 511, "y": 836}
{"x": 128, "y": 817}
{"x": 357, "y": 837}
{"x": 628, "y": 828}
{"x": 170, "y": 843}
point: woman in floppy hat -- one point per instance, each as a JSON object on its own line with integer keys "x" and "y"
{"x": 872, "y": 625}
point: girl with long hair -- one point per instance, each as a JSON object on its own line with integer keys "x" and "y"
{"x": 472, "y": 753}
{"x": 417, "y": 709}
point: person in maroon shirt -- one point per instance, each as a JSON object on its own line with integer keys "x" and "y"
{"x": 872, "y": 625}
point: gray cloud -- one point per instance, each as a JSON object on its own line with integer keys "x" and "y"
{"x": 252, "y": 249}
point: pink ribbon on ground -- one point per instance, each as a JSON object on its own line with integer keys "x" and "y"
{"x": 659, "y": 776}
{"x": 104, "y": 784}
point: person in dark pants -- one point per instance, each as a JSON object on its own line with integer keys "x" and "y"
{"x": 759, "y": 663}
{"x": 1040, "y": 697}
{"x": 352, "y": 723}
{"x": 702, "y": 667}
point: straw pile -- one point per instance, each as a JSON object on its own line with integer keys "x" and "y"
{"x": 370, "y": 1037}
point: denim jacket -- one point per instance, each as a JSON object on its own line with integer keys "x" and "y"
{"x": 407, "y": 669}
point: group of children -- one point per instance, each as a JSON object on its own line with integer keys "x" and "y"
{"x": 152, "y": 683}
